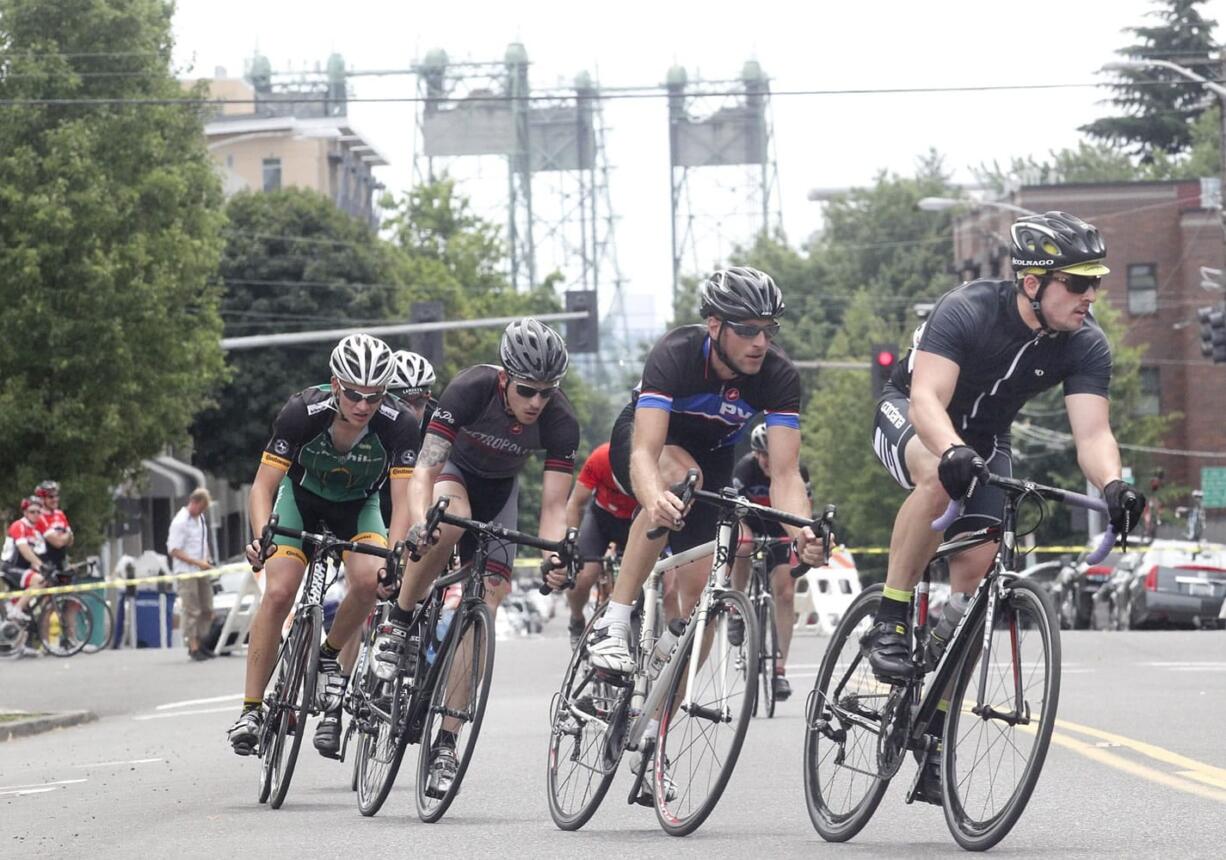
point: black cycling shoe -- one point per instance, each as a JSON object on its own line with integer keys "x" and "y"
{"x": 928, "y": 790}
{"x": 889, "y": 652}
{"x": 783, "y": 689}
{"x": 328, "y": 735}
{"x": 575, "y": 629}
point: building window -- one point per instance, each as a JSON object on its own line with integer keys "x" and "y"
{"x": 1142, "y": 288}
{"x": 1150, "y": 401}
{"x": 272, "y": 174}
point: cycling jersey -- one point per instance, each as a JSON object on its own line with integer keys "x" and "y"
{"x": 597, "y": 475}
{"x": 486, "y": 438}
{"x": 301, "y": 445}
{"x": 385, "y": 492}
{"x": 1003, "y": 363}
{"x": 706, "y": 412}
{"x": 54, "y": 521}
{"x": 22, "y": 533}
{"x": 754, "y": 484}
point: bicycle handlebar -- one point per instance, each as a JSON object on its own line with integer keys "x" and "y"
{"x": 1015, "y": 487}
{"x": 823, "y": 525}
{"x": 683, "y": 490}
{"x": 273, "y": 528}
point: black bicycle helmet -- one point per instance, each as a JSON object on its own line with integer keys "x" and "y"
{"x": 532, "y": 350}
{"x": 1057, "y": 240}
{"x": 740, "y": 293}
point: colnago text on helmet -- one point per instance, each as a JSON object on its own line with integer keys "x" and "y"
{"x": 1022, "y": 263}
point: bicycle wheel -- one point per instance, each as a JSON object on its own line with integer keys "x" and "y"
{"x": 294, "y": 701}
{"x": 104, "y": 622}
{"x": 990, "y": 761}
{"x": 702, "y": 726}
{"x": 768, "y": 653}
{"x": 64, "y": 625}
{"x": 587, "y": 720}
{"x": 842, "y": 713}
{"x": 456, "y": 706}
{"x": 384, "y": 737}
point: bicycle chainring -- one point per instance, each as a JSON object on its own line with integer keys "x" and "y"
{"x": 895, "y": 727}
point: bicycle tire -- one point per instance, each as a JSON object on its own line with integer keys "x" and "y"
{"x": 769, "y": 654}
{"x": 842, "y": 823}
{"x": 271, "y": 739}
{"x": 384, "y": 747}
{"x": 64, "y": 625}
{"x": 298, "y": 701}
{"x": 477, "y": 669}
{"x": 722, "y": 705}
{"x": 1022, "y": 601}
{"x": 105, "y": 616}
{"x": 605, "y": 753}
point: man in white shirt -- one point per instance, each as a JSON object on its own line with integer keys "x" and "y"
{"x": 188, "y": 548}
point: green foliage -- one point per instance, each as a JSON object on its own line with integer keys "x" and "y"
{"x": 1157, "y": 119}
{"x": 109, "y": 236}
{"x": 292, "y": 261}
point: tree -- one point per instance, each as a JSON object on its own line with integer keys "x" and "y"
{"x": 109, "y": 237}
{"x": 292, "y": 261}
{"x": 1157, "y": 119}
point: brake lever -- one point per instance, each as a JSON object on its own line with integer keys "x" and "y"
{"x": 567, "y": 553}
{"x": 267, "y": 547}
{"x": 433, "y": 518}
{"x": 683, "y": 490}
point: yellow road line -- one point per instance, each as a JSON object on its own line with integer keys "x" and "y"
{"x": 1207, "y": 779}
{"x": 1137, "y": 769}
{"x": 1215, "y": 775}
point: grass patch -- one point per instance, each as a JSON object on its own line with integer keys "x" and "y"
{"x": 10, "y": 718}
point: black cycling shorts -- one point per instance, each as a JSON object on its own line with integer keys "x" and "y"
{"x": 892, "y": 430}
{"x": 492, "y": 500}
{"x": 599, "y": 529}
{"x": 716, "y": 469}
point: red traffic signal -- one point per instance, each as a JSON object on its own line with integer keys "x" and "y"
{"x": 883, "y": 357}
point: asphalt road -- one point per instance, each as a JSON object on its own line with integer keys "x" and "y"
{"x": 1137, "y": 768}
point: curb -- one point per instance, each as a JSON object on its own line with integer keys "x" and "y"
{"x": 44, "y": 723}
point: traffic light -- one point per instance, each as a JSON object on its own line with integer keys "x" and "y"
{"x": 582, "y": 335}
{"x": 1212, "y": 333}
{"x": 881, "y": 363}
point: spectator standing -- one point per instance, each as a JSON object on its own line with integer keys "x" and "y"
{"x": 188, "y": 547}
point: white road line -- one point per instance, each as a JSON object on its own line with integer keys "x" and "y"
{"x": 183, "y": 713}
{"x": 26, "y": 791}
{"x": 52, "y": 782}
{"x": 113, "y": 763}
{"x": 189, "y": 702}
{"x": 1179, "y": 664}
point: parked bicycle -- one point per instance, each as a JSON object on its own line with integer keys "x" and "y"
{"x": 999, "y": 673}
{"x": 443, "y": 692}
{"x": 292, "y": 699}
{"x": 685, "y": 709}
{"x": 60, "y": 623}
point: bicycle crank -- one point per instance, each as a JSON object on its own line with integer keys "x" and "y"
{"x": 895, "y": 727}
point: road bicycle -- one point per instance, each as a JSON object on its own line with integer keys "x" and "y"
{"x": 292, "y": 699}
{"x": 445, "y": 689}
{"x": 684, "y": 715}
{"x": 999, "y": 674}
{"x": 60, "y": 623}
{"x": 763, "y": 601}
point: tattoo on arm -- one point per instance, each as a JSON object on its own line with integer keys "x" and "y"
{"x": 434, "y": 451}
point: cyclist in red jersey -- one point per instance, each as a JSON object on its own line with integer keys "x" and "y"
{"x": 53, "y": 523}
{"x": 20, "y": 560}
{"x": 602, "y": 511}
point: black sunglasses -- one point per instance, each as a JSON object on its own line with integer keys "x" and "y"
{"x": 528, "y": 392}
{"x": 749, "y": 331}
{"x": 358, "y": 397}
{"x": 1077, "y": 284}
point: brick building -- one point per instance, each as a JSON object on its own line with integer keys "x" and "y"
{"x": 1163, "y": 238}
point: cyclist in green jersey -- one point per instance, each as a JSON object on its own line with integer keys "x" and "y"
{"x": 332, "y": 448}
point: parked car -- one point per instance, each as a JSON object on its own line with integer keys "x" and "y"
{"x": 1076, "y": 585}
{"x": 1169, "y": 582}
{"x": 1046, "y": 575}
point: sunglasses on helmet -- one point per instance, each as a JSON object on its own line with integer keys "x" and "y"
{"x": 1076, "y": 284}
{"x": 750, "y": 331}
{"x": 529, "y": 391}
{"x": 357, "y": 397}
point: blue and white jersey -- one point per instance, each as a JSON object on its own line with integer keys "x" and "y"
{"x": 708, "y": 413}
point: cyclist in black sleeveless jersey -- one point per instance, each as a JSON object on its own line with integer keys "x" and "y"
{"x": 701, "y": 386}
{"x": 332, "y": 447}
{"x": 986, "y": 349}
{"x": 488, "y": 422}
{"x": 751, "y": 477}
{"x": 412, "y": 380}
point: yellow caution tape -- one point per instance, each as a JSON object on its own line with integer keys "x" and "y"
{"x": 115, "y": 584}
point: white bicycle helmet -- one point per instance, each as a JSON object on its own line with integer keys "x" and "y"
{"x": 360, "y": 359}
{"x": 757, "y": 438}
{"x": 411, "y": 372}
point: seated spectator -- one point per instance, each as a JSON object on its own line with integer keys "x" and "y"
{"x": 20, "y": 561}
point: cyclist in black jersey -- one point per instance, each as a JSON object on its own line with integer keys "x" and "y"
{"x": 751, "y": 477}
{"x": 488, "y": 422}
{"x": 701, "y": 386}
{"x": 986, "y": 349}
{"x": 332, "y": 447}
{"x": 411, "y": 381}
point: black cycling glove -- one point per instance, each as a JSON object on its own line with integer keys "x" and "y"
{"x": 959, "y": 467}
{"x": 1125, "y": 503}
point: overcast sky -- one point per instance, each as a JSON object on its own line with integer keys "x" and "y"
{"x": 821, "y": 141}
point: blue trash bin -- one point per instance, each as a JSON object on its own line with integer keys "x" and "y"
{"x": 149, "y": 618}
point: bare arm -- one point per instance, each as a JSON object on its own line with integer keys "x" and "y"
{"x": 932, "y": 387}
{"x": 1098, "y": 453}
{"x": 263, "y": 494}
{"x": 650, "y": 431}
{"x": 187, "y": 559}
{"x": 787, "y": 487}
{"x": 430, "y": 462}
{"x": 554, "y": 488}
{"x": 27, "y": 552}
{"x": 59, "y": 539}
{"x": 399, "y": 526}
{"x": 576, "y": 504}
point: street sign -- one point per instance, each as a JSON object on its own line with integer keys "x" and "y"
{"x": 1213, "y": 483}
